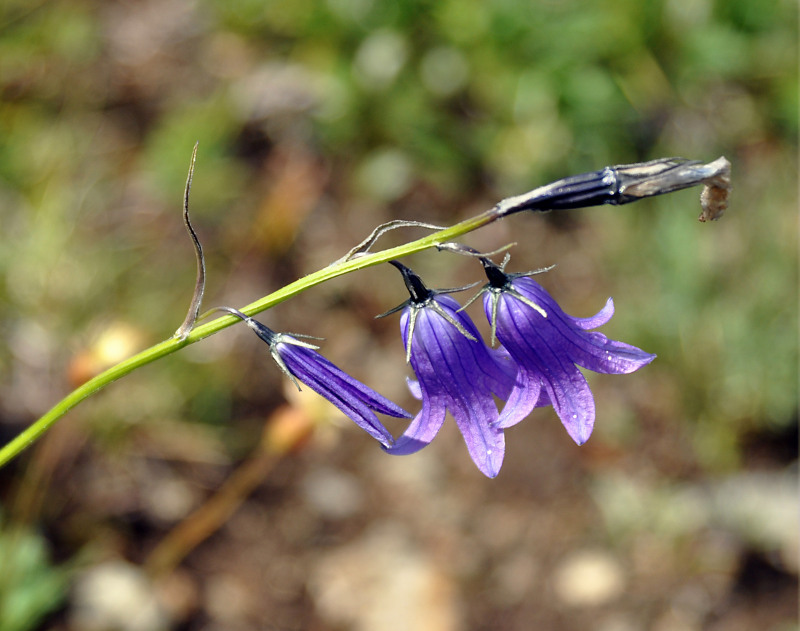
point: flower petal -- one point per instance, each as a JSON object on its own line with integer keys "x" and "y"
{"x": 458, "y": 374}
{"x": 421, "y": 431}
{"x": 597, "y": 320}
{"x": 352, "y": 397}
{"x": 523, "y": 332}
{"x": 573, "y": 402}
{"x": 413, "y": 387}
{"x": 592, "y": 350}
{"x": 548, "y": 345}
{"x": 523, "y": 398}
{"x": 485, "y": 441}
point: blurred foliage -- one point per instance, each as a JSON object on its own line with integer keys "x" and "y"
{"x": 29, "y": 587}
{"x": 317, "y": 121}
{"x": 462, "y": 98}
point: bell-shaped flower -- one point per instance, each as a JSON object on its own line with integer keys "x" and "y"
{"x": 455, "y": 371}
{"x": 548, "y": 345}
{"x": 301, "y": 362}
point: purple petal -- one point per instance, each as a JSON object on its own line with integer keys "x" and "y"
{"x": 478, "y": 363}
{"x": 413, "y": 387}
{"x": 421, "y": 431}
{"x": 573, "y": 402}
{"x": 460, "y": 375}
{"x": 591, "y": 350}
{"x": 352, "y": 397}
{"x": 523, "y": 398}
{"x": 597, "y": 320}
{"x": 545, "y": 362}
{"x": 476, "y": 418}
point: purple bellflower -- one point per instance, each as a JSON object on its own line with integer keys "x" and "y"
{"x": 456, "y": 371}
{"x": 548, "y": 346}
{"x": 301, "y": 362}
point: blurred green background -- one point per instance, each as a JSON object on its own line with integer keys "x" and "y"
{"x": 317, "y": 121}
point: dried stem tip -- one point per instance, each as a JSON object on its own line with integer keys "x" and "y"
{"x": 656, "y": 178}
{"x": 626, "y": 183}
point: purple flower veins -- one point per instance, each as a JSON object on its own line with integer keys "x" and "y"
{"x": 548, "y": 345}
{"x": 456, "y": 371}
{"x": 541, "y": 348}
{"x": 300, "y": 361}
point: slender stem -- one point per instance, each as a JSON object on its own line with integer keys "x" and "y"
{"x": 167, "y": 347}
{"x": 611, "y": 185}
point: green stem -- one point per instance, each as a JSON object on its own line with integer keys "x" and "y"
{"x": 35, "y": 431}
{"x": 612, "y": 185}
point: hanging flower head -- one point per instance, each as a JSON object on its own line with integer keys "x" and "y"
{"x": 456, "y": 371}
{"x": 548, "y": 346}
{"x": 301, "y": 362}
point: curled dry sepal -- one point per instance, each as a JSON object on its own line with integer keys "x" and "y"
{"x": 626, "y": 183}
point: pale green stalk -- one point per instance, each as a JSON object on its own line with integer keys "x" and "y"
{"x": 615, "y": 185}
{"x": 39, "y": 427}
